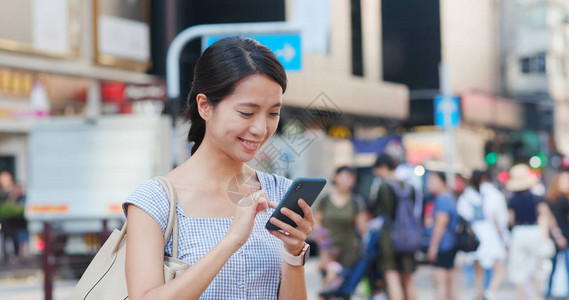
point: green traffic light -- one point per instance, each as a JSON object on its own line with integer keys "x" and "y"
{"x": 491, "y": 158}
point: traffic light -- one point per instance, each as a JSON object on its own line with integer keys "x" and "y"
{"x": 491, "y": 158}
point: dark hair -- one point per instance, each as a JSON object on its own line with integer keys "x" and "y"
{"x": 345, "y": 168}
{"x": 477, "y": 178}
{"x": 441, "y": 175}
{"x": 385, "y": 160}
{"x": 553, "y": 191}
{"x": 218, "y": 69}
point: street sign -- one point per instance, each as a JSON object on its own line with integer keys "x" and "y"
{"x": 447, "y": 111}
{"x": 286, "y": 47}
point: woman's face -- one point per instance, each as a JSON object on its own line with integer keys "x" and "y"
{"x": 435, "y": 184}
{"x": 564, "y": 182}
{"x": 243, "y": 121}
{"x": 345, "y": 181}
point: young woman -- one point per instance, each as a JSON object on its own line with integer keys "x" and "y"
{"x": 485, "y": 207}
{"x": 531, "y": 222}
{"x": 558, "y": 199}
{"x": 234, "y": 109}
{"x": 441, "y": 251}
{"x": 343, "y": 215}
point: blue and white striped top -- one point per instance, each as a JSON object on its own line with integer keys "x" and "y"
{"x": 252, "y": 272}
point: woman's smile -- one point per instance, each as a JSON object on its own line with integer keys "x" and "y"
{"x": 249, "y": 145}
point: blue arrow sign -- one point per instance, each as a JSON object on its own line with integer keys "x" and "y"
{"x": 286, "y": 47}
{"x": 447, "y": 111}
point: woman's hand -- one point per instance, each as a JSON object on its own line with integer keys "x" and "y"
{"x": 561, "y": 242}
{"x": 247, "y": 208}
{"x": 293, "y": 237}
{"x": 432, "y": 254}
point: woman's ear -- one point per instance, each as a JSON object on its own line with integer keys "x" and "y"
{"x": 203, "y": 106}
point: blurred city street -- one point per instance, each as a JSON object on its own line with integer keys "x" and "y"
{"x": 30, "y": 287}
{"x": 415, "y": 130}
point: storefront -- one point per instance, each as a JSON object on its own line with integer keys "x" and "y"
{"x": 55, "y": 59}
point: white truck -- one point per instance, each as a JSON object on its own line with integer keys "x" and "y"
{"x": 81, "y": 171}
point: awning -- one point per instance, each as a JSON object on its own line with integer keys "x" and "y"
{"x": 492, "y": 111}
{"x": 350, "y": 94}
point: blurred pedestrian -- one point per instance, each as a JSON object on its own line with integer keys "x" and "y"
{"x": 333, "y": 274}
{"x": 343, "y": 216}
{"x": 13, "y": 223}
{"x": 442, "y": 245}
{"x": 530, "y": 219}
{"x": 397, "y": 267}
{"x": 558, "y": 199}
{"x": 485, "y": 207}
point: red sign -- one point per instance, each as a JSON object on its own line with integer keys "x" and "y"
{"x": 120, "y": 92}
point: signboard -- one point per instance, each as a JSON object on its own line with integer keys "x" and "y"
{"x": 287, "y": 47}
{"x": 447, "y": 111}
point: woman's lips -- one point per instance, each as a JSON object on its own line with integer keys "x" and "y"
{"x": 249, "y": 145}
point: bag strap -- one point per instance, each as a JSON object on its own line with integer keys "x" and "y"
{"x": 171, "y": 227}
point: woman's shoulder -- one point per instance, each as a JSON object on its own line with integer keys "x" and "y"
{"x": 276, "y": 185}
{"x": 151, "y": 197}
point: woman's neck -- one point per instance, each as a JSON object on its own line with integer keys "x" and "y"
{"x": 341, "y": 192}
{"x": 214, "y": 164}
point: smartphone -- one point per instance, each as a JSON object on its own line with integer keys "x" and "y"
{"x": 305, "y": 188}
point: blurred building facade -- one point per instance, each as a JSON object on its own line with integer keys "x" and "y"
{"x": 62, "y": 53}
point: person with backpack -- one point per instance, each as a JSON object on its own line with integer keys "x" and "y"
{"x": 342, "y": 217}
{"x": 484, "y": 206}
{"x": 442, "y": 238}
{"x": 400, "y": 238}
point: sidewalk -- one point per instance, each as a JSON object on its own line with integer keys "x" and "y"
{"x": 423, "y": 279}
{"x": 31, "y": 287}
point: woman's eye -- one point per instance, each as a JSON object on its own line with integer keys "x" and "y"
{"x": 274, "y": 114}
{"x": 246, "y": 114}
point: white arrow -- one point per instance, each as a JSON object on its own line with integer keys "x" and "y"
{"x": 287, "y": 52}
{"x": 448, "y": 108}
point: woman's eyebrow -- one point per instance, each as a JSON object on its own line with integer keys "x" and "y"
{"x": 255, "y": 105}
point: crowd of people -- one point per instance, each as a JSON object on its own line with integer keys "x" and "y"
{"x": 517, "y": 232}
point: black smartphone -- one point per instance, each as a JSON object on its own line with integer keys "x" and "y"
{"x": 307, "y": 188}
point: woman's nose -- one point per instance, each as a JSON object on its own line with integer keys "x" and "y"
{"x": 259, "y": 127}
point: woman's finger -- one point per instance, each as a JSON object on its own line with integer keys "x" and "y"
{"x": 296, "y": 218}
{"x": 292, "y": 232}
{"x": 301, "y": 222}
{"x": 289, "y": 241}
{"x": 308, "y": 215}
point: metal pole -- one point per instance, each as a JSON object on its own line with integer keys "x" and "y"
{"x": 105, "y": 233}
{"x": 47, "y": 262}
{"x": 193, "y": 32}
{"x": 449, "y": 130}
